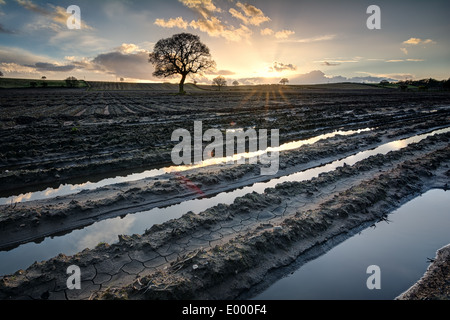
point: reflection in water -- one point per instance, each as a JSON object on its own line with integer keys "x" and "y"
{"x": 400, "y": 247}
{"x": 107, "y": 230}
{"x": 249, "y": 155}
{"x": 69, "y": 244}
{"x": 67, "y": 189}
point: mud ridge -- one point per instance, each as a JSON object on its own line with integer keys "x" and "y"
{"x": 226, "y": 250}
{"x": 29, "y": 221}
{"x": 435, "y": 283}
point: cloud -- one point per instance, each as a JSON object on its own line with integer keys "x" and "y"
{"x": 280, "y": 67}
{"x": 204, "y": 7}
{"x": 220, "y": 72}
{"x": 46, "y": 66}
{"x": 128, "y": 61}
{"x": 225, "y": 72}
{"x": 19, "y": 56}
{"x": 78, "y": 42}
{"x": 267, "y": 32}
{"x": 16, "y": 60}
{"x": 27, "y": 4}
{"x": 172, "y": 23}
{"x": 215, "y": 28}
{"x": 330, "y": 64}
{"x": 212, "y": 25}
{"x": 313, "y": 39}
{"x": 388, "y": 76}
{"x": 57, "y": 14}
{"x": 128, "y": 48}
{"x": 250, "y": 15}
{"x": 404, "y": 50}
{"x": 15, "y": 68}
{"x": 417, "y": 41}
{"x": 284, "y": 34}
{"x": 403, "y": 60}
{"x": 5, "y": 30}
{"x": 319, "y": 77}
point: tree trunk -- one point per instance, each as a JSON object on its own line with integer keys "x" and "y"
{"x": 183, "y": 79}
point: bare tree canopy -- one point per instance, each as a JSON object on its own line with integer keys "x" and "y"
{"x": 181, "y": 54}
{"x": 220, "y": 82}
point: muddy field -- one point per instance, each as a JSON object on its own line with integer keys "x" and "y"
{"x": 51, "y": 137}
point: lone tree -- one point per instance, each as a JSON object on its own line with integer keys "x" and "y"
{"x": 181, "y": 54}
{"x": 235, "y": 83}
{"x": 220, "y": 82}
{"x": 1, "y": 74}
{"x": 284, "y": 81}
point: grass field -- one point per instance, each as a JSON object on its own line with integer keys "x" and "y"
{"x": 11, "y": 83}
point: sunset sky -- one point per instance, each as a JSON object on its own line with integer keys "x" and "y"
{"x": 252, "y": 41}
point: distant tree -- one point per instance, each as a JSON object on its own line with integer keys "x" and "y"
{"x": 446, "y": 84}
{"x": 235, "y": 83}
{"x": 71, "y": 82}
{"x": 384, "y": 82}
{"x": 284, "y": 81}
{"x": 44, "y": 78}
{"x": 219, "y": 82}
{"x": 1, "y": 74}
{"x": 182, "y": 54}
{"x": 122, "y": 79}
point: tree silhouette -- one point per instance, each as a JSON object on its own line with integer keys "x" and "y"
{"x": 284, "y": 81}
{"x": 220, "y": 82}
{"x": 235, "y": 83}
{"x": 71, "y": 82}
{"x": 446, "y": 84}
{"x": 1, "y": 74}
{"x": 182, "y": 54}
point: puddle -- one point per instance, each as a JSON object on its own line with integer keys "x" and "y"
{"x": 108, "y": 230}
{"x": 399, "y": 246}
{"x": 67, "y": 189}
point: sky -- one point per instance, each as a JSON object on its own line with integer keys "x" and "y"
{"x": 251, "y": 41}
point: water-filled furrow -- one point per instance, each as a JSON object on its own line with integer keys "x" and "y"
{"x": 399, "y": 246}
{"x": 66, "y": 189}
{"x": 108, "y": 230}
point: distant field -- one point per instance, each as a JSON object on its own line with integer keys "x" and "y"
{"x": 10, "y": 83}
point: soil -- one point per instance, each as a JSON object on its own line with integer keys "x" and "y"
{"x": 55, "y": 136}
{"x": 435, "y": 284}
